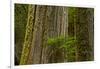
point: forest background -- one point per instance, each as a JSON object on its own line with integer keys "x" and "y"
{"x": 53, "y": 34}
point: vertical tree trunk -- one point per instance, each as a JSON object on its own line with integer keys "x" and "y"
{"x": 43, "y": 22}
{"x": 58, "y": 27}
{"x": 28, "y": 34}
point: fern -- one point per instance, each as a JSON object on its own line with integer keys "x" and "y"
{"x": 63, "y": 44}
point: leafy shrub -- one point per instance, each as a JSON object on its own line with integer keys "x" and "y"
{"x": 63, "y": 44}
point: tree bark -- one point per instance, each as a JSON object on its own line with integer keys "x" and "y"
{"x": 43, "y": 22}
{"x": 28, "y": 34}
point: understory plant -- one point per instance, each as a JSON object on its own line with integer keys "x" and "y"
{"x": 63, "y": 44}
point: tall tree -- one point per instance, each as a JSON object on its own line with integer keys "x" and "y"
{"x": 58, "y": 27}
{"x": 28, "y": 35}
{"x": 43, "y": 22}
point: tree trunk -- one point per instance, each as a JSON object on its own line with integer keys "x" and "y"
{"x": 58, "y": 27}
{"x": 43, "y": 22}
{"x": 28, "y": 34}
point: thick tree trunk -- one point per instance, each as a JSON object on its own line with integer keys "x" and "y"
{"x": 58, "y": 27}
{"x": 39, "y": 36}
{"x": 43, "y": 22}
{"x": 28, "y": 34}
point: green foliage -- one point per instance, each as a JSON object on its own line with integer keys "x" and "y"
{"x": 55, "y": 41}
{"x": 61, "y": 42}
{"x": 64, "y": 44}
